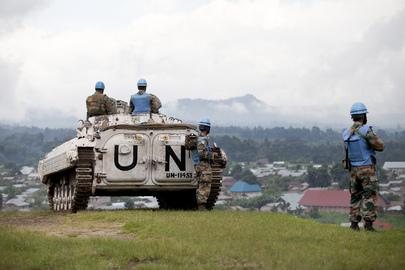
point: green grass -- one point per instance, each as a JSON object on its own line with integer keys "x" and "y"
{"x": 398, "y": 221}
{"x": 195, "y": 240}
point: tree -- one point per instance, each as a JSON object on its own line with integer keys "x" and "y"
{"x": 299, "y": 210}
{"x": 314, "y": 213}
{"x": 260, "y": 201}
{"x": 38, "y": 200}
{"x": 129, "y": 204}
{"x": 392, "y": 197}
{"x": 284, "y": 206}
{"x": 10, "y": 191}
{"x": 381, "y": 174}
{"x": 1, "y": 201}
{"x": 340, "y": 175}
{"x": 9, "y": 164}
{"x": 249, "y": 177}
{"x": 237, "y": 171}
{"x": 318, "y": 177}
{"x": 381, "y": 212}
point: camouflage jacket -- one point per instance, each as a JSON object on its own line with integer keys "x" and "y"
{"x": 98, "y": 104}
{"x": 202, "y": 146}
{"x": 155, "y": 103}
{"x": 372, "y": 138}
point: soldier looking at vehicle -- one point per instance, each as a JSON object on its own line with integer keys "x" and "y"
{"x": 203, "y": 156}
{"x": 361, "y": 143}
{"x": 98, "y": 103}
{"x": 143, "y": 102}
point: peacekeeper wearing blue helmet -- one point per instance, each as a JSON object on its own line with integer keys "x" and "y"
{"x": 203, "y": 157}
{"x": 143, "y": 102}
{"x": 98, "y": 103}
{"x": 361, "y": 144}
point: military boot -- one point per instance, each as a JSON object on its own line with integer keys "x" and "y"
{"x": 368, "y": 227}
{"x": 355, "y": 226}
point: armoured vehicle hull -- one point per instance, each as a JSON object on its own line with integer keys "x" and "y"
{"x": 126, "y": 155}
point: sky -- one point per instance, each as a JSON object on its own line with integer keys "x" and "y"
{"x": 308, "y": 58}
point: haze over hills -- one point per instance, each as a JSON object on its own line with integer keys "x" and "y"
{"x": 248, "y": 111}
{"x": 244, "y": 111}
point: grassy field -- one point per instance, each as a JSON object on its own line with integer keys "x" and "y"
{"x": 134, "y": 239}
{"x": 398, "y": 221}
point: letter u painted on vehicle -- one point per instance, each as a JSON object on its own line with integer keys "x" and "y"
{"x": 134, "y": 159}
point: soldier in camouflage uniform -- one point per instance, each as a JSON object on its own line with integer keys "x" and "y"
{"x": 361, "y": 143}
{"x": 98, "y": 103}
{"x": 143, "y": 102}
{"x": 203, "y": 157}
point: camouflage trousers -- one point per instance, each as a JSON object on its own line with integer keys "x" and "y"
{"x": 363, "y": 193}
{"x": 204, "y": 178}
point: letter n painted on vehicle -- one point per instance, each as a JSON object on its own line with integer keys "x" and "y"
{"x": 181, "y": 163}
{"x": 134, "y": 159}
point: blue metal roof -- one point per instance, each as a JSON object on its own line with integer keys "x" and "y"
{"x": 244, "y": 187}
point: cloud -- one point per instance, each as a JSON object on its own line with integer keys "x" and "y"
{"x": 367, "y": 70}
{"x": 12, "y": 13}
{"x": 235, "y": 107}
{"x": 287, "y": 53}
{"x": 10, "y": 107}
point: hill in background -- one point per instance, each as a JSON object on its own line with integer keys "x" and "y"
{"x": 244, "y": 111}
{"x": 247, "y": 111}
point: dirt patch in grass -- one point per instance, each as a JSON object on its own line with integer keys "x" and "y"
{"x": 65, "y": 226}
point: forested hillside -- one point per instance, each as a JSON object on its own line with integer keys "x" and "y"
{"x": 27, "y": 145}
{"x": 315, "y": 134}
{"x": 297, "y": 145}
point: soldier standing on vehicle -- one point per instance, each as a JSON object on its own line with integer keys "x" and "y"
{"x": 143, "y": 102}
{"x": 361, "y": 143}
{"x": 98, "y": 103}
{"x": 203, "y": 157}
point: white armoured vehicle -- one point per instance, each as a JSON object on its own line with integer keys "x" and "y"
{"x": 126, "y": 155}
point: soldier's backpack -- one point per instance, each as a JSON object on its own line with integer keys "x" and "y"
{"x": 191, "y": 141}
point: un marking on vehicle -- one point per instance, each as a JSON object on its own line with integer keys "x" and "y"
{"x": 170, "y": 155}
{"x": 179, "y": 175}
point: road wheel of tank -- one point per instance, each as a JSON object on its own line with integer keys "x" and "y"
{"x": 51, "y": 191}
{"x": 67, "y": 197}
{"x": 59, "y": 192}
{"x": 215, "y": 186}
{"x": 70, "y": 196}
{"x": 71, "y": 190}
{"x": 57, "y": 198}
{"x": 63, "y": 197}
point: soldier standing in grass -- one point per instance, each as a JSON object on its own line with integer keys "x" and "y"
{"x": 361, "y": 143}
{"x": 143, "y": 102}
{"x": 98, "y": 103}
{"x": 203, "y": 157}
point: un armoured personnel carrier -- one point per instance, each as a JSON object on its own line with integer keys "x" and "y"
{"x": 126, "y": 155}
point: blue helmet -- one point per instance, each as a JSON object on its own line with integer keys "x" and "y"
{"x": 100, "y": 85}
{"x": 142, "y": 82}
{"x": 205, "y": 122}
{"x": 358, "y": 108}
